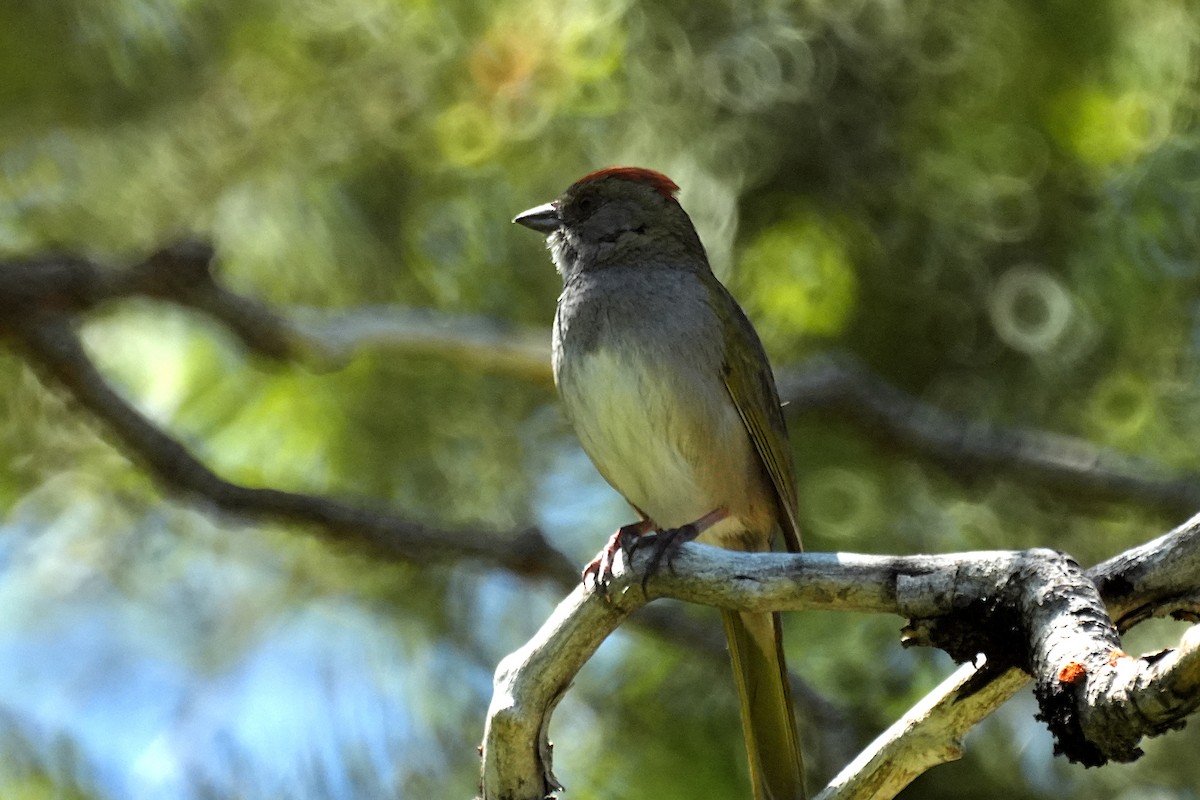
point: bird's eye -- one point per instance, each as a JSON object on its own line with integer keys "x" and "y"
{"x": 586, "y": 205}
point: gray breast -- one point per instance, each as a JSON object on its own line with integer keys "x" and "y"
{"x": 638, "y": 362}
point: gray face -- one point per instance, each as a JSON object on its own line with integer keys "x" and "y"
{"x": 597, "y": 221}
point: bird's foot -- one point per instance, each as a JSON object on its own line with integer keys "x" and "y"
{"x": 666, "y": 543}
{"x": 599, "y": 570}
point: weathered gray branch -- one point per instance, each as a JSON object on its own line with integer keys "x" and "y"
{"x": 1064, "y": 639}
{"x": 1153, "y": 579}
{"x": 930, "y": 733}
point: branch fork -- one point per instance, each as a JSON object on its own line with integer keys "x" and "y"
{"x": 1034, "y": 612}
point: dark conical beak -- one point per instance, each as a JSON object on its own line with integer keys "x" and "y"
{"x": 543, "y": 219}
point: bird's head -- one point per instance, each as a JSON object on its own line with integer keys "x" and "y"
{"x": 621, "y": 216}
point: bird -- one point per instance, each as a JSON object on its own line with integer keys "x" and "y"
{"x": 668, "y": 387}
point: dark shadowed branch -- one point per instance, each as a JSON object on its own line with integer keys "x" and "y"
{"x": 966, "y": 448}
{"x": 51, "y": 344}
{"x": 183, "y": 274}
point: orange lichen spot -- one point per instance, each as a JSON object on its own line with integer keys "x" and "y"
{"x": 1072, "y": 672}
{"x": 1116, "y": 655}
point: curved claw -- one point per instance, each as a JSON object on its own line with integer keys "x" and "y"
{"x": 625, "y": 540}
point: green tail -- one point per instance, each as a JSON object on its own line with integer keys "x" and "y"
{"x": 768, "y": 719}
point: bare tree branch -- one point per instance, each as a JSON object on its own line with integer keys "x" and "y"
{"x": 1035, "y": 609}
{"x": 181, "y": 274}
{"x": 1155, "y": 578}
{"x": 930, "y": 733}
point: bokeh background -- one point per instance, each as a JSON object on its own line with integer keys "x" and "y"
{"x": 994, "y": 205}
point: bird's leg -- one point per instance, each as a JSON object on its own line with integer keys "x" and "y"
{"x": 625, "y": 540}
{"x": 666, "y": 543}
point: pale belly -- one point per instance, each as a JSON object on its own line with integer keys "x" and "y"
{"x": 674, "y": 447}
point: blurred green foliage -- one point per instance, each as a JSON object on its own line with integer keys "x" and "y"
{"x": 994, "y": 204}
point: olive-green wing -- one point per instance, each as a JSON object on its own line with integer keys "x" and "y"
{"x": 752, "y": 386}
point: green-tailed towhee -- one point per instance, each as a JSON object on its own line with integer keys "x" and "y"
{"x": 669, "y": 389}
